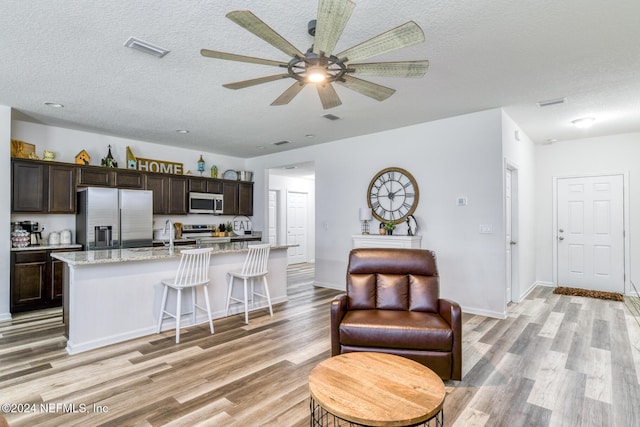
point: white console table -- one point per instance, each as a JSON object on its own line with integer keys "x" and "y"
{"x": 379, "y": 241}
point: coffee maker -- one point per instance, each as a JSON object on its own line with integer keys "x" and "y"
{"x": 35, "y": 235}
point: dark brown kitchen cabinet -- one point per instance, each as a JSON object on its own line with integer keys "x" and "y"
{"x": 245, "y": 198}
{"x": 129, "y": 179}
{"x": 205, "y": 185}
{"x": 230, "y": 201}
{"x": 177, "y": 196}
{"x": 159, "y": 185}
{"x": 61, "y": 185}
{"x": 96, "y": 176}
{"x": 43, "y": 187}
{"x": 36, "y": 280}
{"x": 28, "y": 192}
{"x": 169, "y": 194}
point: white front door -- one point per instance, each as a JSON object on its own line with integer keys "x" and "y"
{"x": 590, "y": 232}
{"x": 297, "y": 226}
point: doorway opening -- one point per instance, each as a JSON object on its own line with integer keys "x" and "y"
{"x": 291, "y": 209}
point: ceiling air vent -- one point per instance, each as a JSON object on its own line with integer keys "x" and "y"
{"x": 550, "y": 102}
{"x": 146, "y": 47}
{"x": 280, "y": 142}
{"x": 331, "y": 117}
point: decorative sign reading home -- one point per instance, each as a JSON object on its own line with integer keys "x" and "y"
{"x": 151, "y": 165}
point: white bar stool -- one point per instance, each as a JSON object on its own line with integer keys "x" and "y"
{"x": 193, "y": 271}
{"x": 255, "y": 266}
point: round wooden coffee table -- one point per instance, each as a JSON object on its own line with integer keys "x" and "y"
{"x": 375, "y": 389}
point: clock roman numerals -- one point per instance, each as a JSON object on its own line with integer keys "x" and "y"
{"x": 392, "y": 195}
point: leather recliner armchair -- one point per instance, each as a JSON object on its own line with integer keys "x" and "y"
{"x": 393, "y": 305}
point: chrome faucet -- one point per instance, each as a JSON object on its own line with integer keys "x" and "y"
{"x": 172, "y": 232}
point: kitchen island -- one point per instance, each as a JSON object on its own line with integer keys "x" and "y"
{"x": 114, "y": 295}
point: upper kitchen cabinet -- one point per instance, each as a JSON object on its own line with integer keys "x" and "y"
{"x": 169, "y": 194}
{"x": 177, "y": 196}
{"x": 230, "y": 201}
{"x": 43, "y": 187}
{"x": 245, "y": 198}
{"x": 129, "y": 179}
{"x": 205, "y": 185}
{"x": 96, "y": 176}
{"x": 61, "y": 189}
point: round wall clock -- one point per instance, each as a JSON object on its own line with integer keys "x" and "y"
{"x": 393, "y": 195}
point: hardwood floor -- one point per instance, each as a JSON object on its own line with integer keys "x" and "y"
{"x": 555, "y": 361}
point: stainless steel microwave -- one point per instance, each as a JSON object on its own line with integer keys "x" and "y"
{"x": 205, "y": 203}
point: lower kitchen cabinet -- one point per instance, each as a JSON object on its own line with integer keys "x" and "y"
{"x": 36, "y": 280}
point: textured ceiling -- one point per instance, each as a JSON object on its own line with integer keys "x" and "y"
{"x": 483, "y": 54}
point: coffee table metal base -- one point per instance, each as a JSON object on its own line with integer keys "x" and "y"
{"x": 320, "y": 417}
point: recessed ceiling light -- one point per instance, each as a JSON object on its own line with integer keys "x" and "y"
{"x": 310, "y": 135}
{"x": 146, "y": 47}
{"x": 53, "y": 104}
{"x": 182, "y": 131}
{"x": 584, "y": 122}
{"x": 551, "y": 141}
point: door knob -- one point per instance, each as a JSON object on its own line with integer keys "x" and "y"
{"x": 561, "y": 230}
{"x": 512, "y": 242}
{"x": 560, "y": 238}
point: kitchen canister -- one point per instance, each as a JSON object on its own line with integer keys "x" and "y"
{"x": 65, "y": 237}
{"x": 20, "y": 238}
{"x": 54, "y": 238}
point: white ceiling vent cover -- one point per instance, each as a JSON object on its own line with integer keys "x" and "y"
{"x": 143, "y": 46}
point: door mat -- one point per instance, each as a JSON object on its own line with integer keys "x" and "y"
{"x": 578, "y": 292}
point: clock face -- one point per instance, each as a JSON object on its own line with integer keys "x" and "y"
{"x": 393, "y": 195}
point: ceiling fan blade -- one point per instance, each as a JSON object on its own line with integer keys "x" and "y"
{"x": 372, "y": 90}
{"x": 328, "y": 96}
{"x": 252, "y": 23}
{"x": 405, "y": 35}
{"x": 252, "y": 82}
{"x": 413, "y": 69}
{"x": 332, "y": 18}
{"x": 289, "y": 94}
{"x": 233, "y": 57}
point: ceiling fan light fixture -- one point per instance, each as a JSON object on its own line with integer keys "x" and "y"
{"x": 584, "y": 122}
{"x": 316, "y": 74}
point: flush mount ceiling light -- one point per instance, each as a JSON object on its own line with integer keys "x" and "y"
{"x": 146, "y": 47}
{"x": 53, "y": 105}
{"x": 584, "y": 122}
{"x": 182, "y": 130}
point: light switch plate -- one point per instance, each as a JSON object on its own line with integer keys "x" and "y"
{"x": 485, "y": 229}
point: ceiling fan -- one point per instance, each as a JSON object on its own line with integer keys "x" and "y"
{"x": 319, "y": 66}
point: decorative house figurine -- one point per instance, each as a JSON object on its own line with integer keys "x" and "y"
{"x": 201, "y": 165}
{"x": 132, "y": 162}
{"x": 83, "y": 158}
{"x": 109, "y": 161}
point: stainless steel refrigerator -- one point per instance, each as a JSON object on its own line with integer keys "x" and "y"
{"x": 111, "y": 218}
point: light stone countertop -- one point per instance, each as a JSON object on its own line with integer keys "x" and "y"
{"x": 47, "y": 247}
{"x": 107, "y": 256}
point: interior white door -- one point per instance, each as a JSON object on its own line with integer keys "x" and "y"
{"x": 590, "y": 232}
{"x": 508, "y": 233}
{"x": 273, "y": 217}
{"x": 297, "y": 226}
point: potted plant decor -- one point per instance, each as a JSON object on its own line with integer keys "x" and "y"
{"x": 389, "y": 226}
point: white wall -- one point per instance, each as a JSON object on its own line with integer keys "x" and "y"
{"x": 519, "y": 152}
{"x": 459, "y": 156}
{"x": 5, "y": 200}
{"x": 283, "y": 184}
{"x": 612, "y": 154}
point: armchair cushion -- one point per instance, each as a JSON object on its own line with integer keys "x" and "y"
{"x": 396, "y": 329}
